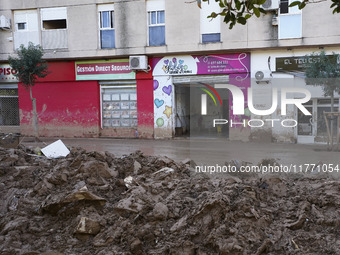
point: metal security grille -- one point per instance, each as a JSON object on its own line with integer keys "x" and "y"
{"x": 119, "y": 106}
{"x": 9, "y": 107}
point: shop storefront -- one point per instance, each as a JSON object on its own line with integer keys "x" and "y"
{"x": 287, "y": 70}
{"x": 310, "y": 129}
{"x": 182, "y": 82}
{"x": 9, "y": 100}
{"x": 91, "y": 99}
{"x": 118, "y": 95}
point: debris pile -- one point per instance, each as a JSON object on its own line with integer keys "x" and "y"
{"x": 94, "y": 203}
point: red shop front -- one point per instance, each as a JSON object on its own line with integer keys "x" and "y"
{"x": 90, "y": 99}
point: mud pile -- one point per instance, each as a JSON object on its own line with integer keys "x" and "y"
{"x": 95, "y": 203}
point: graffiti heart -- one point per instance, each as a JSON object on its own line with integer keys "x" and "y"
{"x": 158, "y": 102}
{"x": 155, "y": 84}
{"x": 167, "y": 89}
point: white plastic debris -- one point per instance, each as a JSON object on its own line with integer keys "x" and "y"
{"x": 165, "y": 170}
{"x": 128, "y": 181}
{"x": 55, "y": 150}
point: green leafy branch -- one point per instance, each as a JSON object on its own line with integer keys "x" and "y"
{"x": 239, "y": 11}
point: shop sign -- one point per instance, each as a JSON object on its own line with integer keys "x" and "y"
{"x": 7, "y": 73}
{"x": 117, "y": 69}
{"x": 202, "y": 64}
{"x": 300, "y": 63}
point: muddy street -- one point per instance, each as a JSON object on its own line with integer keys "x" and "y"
{"x": 205, "y": 151}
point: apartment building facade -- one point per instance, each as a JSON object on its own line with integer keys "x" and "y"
{"x": 181, "y": 56}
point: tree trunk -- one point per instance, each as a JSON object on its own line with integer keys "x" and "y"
{"x": 332, "y": 110}
{"x": 35, "y": 115}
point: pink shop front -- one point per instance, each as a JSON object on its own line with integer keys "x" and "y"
{"x": 190, "y": 91}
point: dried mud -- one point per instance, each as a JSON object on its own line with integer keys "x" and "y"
{"x": 95, "y": 203}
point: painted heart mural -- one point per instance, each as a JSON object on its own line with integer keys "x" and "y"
{"x": 158, "y": 102}
{"x": 155, "y": 84}
{"x": 167, "y": 90}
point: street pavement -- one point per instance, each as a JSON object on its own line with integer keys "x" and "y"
{"x": 205, "y": 151}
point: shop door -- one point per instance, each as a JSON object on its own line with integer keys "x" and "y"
{"x": 9, "y": 106}
{"x": 306, "y": 128}
{"x": 188, "y": 105}
{"x": 324, "y": 105}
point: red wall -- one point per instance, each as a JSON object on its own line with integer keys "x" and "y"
{"x": 60, "y": 71}
{"x": 68, "y": 109}
{"x": 145, "y": 109}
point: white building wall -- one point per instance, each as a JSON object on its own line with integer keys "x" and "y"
{"x": 182, "y": 30}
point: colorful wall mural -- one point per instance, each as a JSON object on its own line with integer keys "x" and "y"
{"x": 237, "y": 65}
{"x": 163, "y": 103}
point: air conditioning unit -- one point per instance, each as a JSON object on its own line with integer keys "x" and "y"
{"x": 271, "y": 5}
{"x": 263, "y": 76}
{"x": 4, "y": 22}
{"x": 138, "y": 62}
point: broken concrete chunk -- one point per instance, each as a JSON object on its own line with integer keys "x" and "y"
{"x": 136, "y": 166}
{"x": 164, "y": 160}
{"x": 160, "y": 211}
{"x": 87, "y": 226}
{"x": 135, "y": 203}
{"x": 82, "y": 194}
{"x": 129, "y": 205}
{"x": 98, "y": 167}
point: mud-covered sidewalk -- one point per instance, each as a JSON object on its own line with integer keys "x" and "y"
{"x": 98, "y": 203}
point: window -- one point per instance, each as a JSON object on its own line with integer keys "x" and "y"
{"x": 290, "y": 21}
{"x": 119, "y": 106}
{"x": 209, "y": 38}
{"x": 54, "y": 24}
{"x": 156, "y": 22}
{"x": 54, "y": 18}
{"x": 21, "y": 26}
{"x": 284, "y": 6}
{"x": 210, "y": 28}
{"x": 106, "y": 26}
{"x": 26, "y": 27}
{"x": 54, "y": 28}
